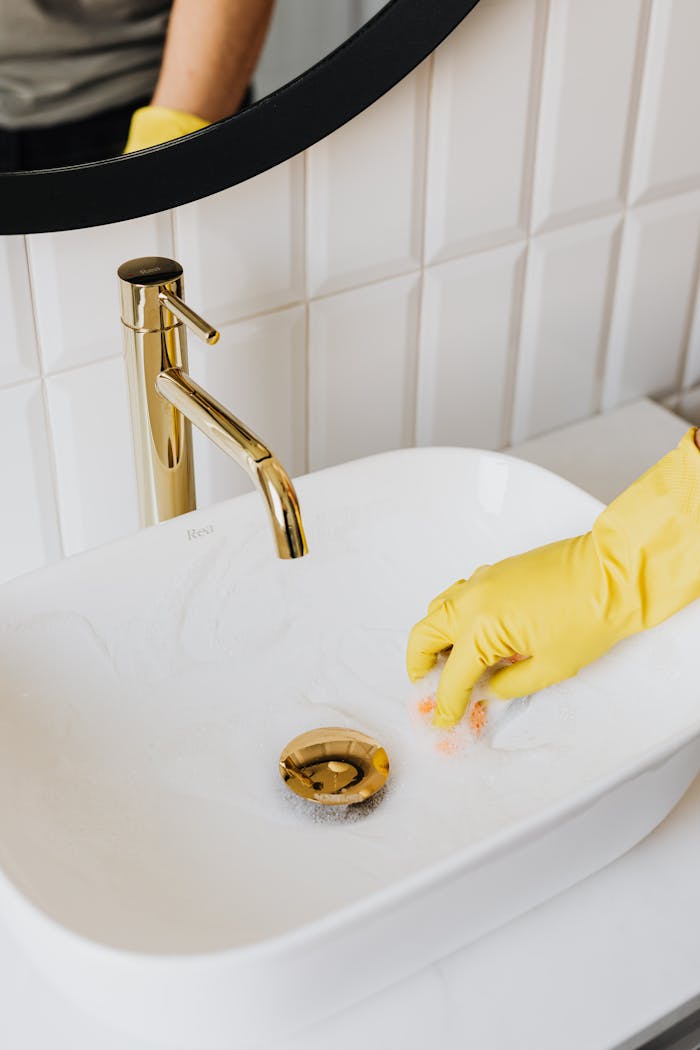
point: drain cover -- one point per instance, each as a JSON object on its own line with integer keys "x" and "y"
{"x": 334, "y": 767}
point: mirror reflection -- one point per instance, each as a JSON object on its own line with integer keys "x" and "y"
{"x": 83, "y": 80}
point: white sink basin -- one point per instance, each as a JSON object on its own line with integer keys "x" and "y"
{"x": 152, "y": 862}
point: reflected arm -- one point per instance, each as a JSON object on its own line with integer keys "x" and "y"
{"x": 211, "y": 50}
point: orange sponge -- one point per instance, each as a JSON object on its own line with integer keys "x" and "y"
{"x": 427, "y": 706}
{"x": 477, "y": 717}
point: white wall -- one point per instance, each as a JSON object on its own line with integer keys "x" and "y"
{"x": 506, "y": 242}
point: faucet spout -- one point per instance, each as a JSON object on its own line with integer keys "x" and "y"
{"x": 242, "y": 445}
{"x": 165, "y": 401}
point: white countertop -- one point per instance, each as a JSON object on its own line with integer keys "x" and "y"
{"x": 589, "y": 970}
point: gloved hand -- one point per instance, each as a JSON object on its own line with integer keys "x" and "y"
{"x": 152, "y": 125}
{"x": 563, "y": 605}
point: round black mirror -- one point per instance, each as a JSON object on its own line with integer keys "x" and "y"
{"x": 281, "y": 124}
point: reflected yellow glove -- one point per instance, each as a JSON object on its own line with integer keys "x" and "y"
{"x": 152, "y": 125}
{"x": 565, "y": 604}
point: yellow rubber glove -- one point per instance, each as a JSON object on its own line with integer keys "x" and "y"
{"x": 565, "y": 604}
{"x": 152, "y": 125}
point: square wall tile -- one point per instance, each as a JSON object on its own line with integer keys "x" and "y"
{"x": 667, "y": 147}
{"x": 19, "y": 357}
{"x": 482, "y": 117}
{"x": 467, "y": 348}
{"x": 365, "y": 192}
{"x": 29, "y": 535}
{"x": 564, "y": 326}
{"x": 655, "y": 296}
{"x": 243, "y": 249}
{"x": 587, "y": 89}
{"x": 76, "y": 287}
{"x": 258, "y": 371}
{"x": 362, "y": 367}
{"x": 90, "y": 422}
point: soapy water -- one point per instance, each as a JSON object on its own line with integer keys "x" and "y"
{"x": 193, "y": 799}
{"x": 481, "y": 727}
{"x": 486, "y": 715}
{"x": 334, "y": 814}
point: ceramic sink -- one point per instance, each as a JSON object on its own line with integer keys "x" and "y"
{"x": 153, "y": 863}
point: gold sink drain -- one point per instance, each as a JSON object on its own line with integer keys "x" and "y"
{"x": 335, "y": 767}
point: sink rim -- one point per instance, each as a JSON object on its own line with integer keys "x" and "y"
{"x": 463, "y": 859}
{"x": 281, "y": 982}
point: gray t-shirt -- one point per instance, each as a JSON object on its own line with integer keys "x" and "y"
{"x": 62, "y": 60}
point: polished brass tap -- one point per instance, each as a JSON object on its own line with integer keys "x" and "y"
{"x": 165, "y": 400}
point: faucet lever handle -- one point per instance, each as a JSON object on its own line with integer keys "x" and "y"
{"x": 188, "y": 317}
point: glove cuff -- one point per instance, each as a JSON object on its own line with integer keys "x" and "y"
{"x": 648, "y": 540}
{"x": 153, "y": 125}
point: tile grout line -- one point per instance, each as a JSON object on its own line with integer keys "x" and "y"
{"x": 67, "y": 370}
{"x": 427, "y": 126}
{"x": 605, "y": 211}
{"x": 503, "y": 238}
{"x": 387, "y": 279}
{"x": 48, "y": 424}
{"x": 587, "y": 213}
{"x": 422, "y": 209}
{"x": 520, "y": 238}
{"x": 418, "y": 365}
{"x": 174, "y": 235}
{"x": 693, "y": 306}
{"x": 527, "y": 197}
{"x": 668, "y": 190}
{"x": 539, "y": 54}
{"x": 635, "y": 106}
{"x": 307, "y": 388}
{"x": 228, "y": 321}
{"x": 514, "y": 339}
{"x": 608, "y": 311}
{"x": 307, "y": 310}
{"x": 633, "y": 121}
{"x": 16, "y": 384}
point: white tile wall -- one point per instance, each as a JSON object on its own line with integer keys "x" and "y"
{"x": 470, "y": 311}
{"x": 590, "y": 74}
{"x": 362, "y": 360}
{"x": 482, "y": 116}
{"x": 362, "y": 220}
{"x": 19, "y": 343}
{"x": 261, "y": 364}
{"x": 506, "y": 242}
{"x": 559, "y": 366}
{"x": 243, "y": 249}
{"x": 75, "y": 286}
{"x": 28, "y": 524}
{"x": 654, "y": 300}
{"x": 89, "y": 415}
{"x": 667, "y": 155}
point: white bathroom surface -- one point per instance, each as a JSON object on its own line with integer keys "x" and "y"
{"x": 540, "y": 956}
{"x": 589, "y": 970}
{"x": 605, "y": 453}
{"x": 140, "y": 750}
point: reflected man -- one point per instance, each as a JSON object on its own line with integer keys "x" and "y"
{"x": 81, "y": 80}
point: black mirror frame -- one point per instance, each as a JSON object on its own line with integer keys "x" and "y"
{"x": 272, "y": 130}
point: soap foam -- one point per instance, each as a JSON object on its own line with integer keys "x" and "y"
{"x": 484, "y": 720}
{"x": 307, "y": 810}
{"x": 194, "y": 801}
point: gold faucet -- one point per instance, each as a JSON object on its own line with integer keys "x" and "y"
{"x": 165, "y": 400}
